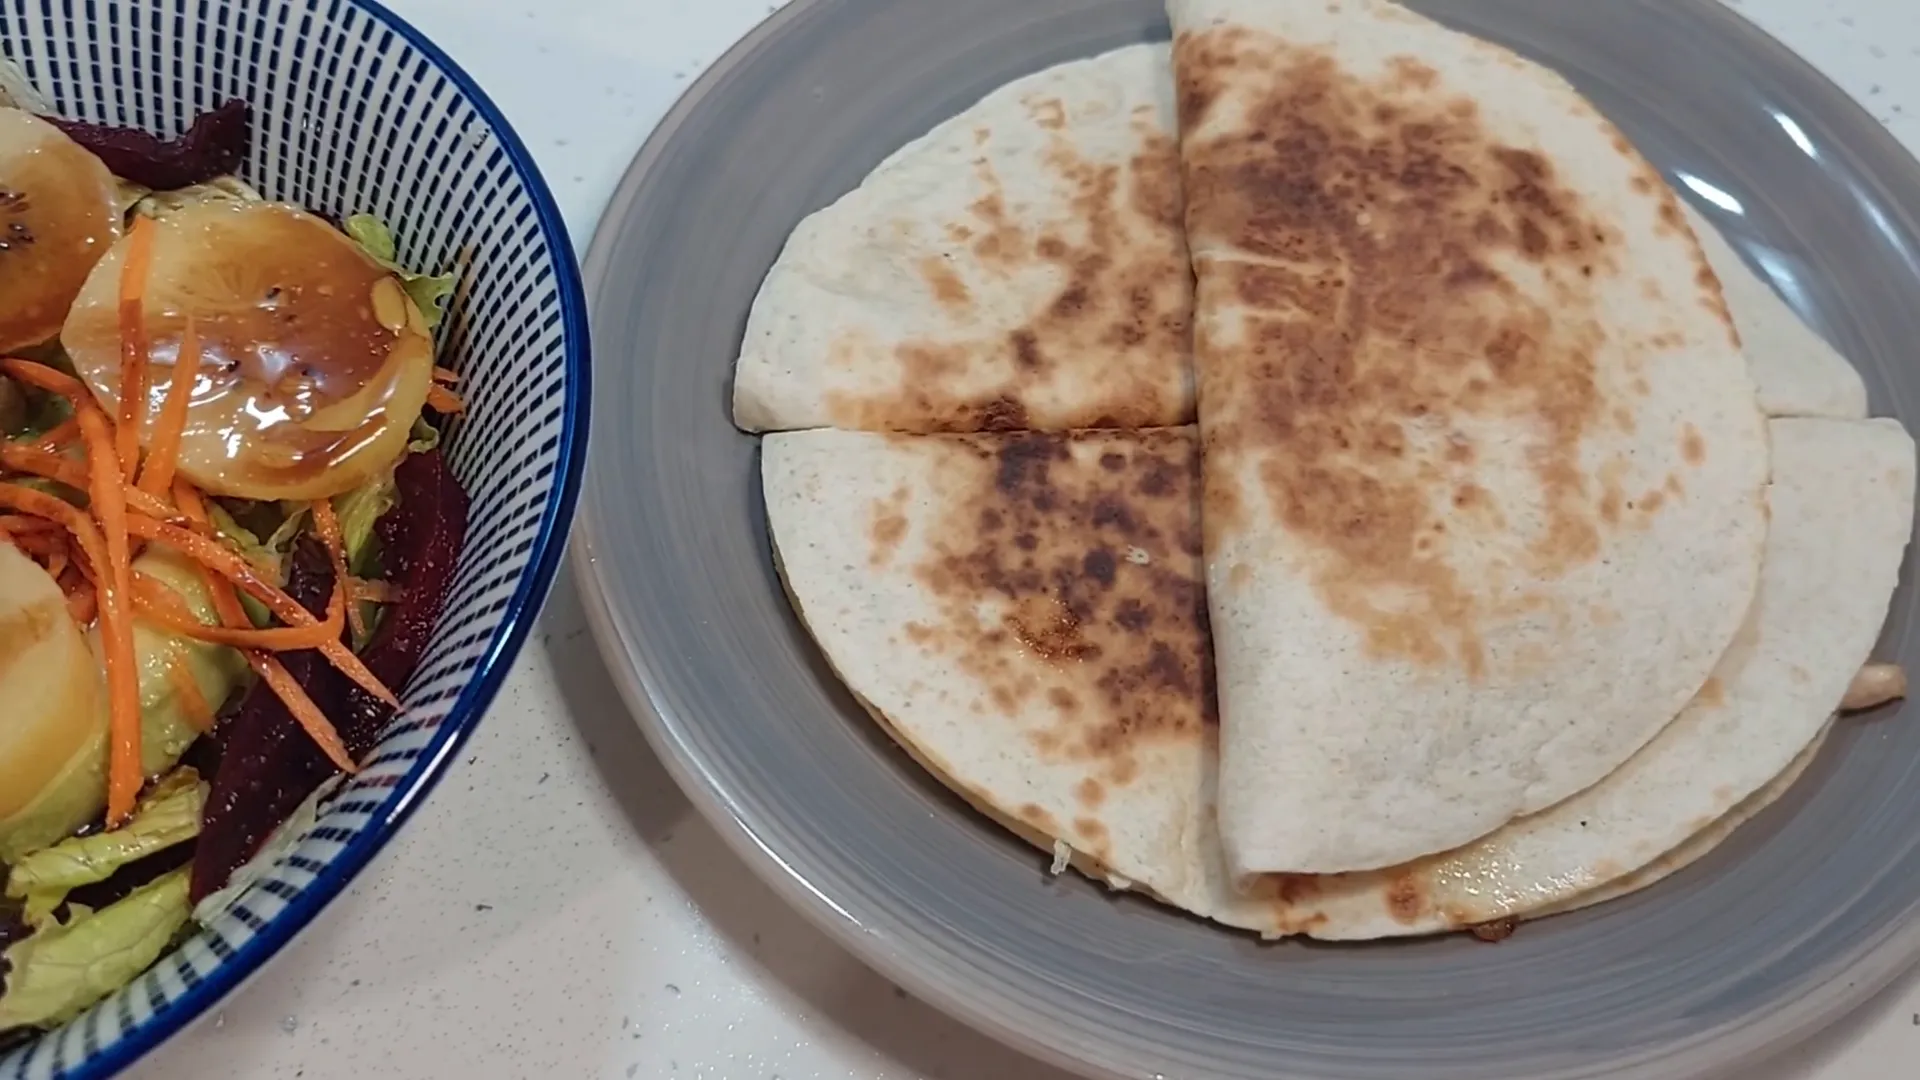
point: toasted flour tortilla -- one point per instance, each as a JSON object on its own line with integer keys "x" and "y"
{"x": 1699, "y": 845}
{"x": 1024, "y": 612}
{"x": 1795, "y": 371}
{"x": 1478, "y": 436}
{"x": 958, "y": 584}
{"x": 1842, "y": 509}
{"x": 1021, "y": 266}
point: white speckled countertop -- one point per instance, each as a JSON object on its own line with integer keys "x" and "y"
{"x": 557, "y": 909}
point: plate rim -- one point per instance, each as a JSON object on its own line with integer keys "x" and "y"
{"x": 1889, "y": 954}
{"x": 517, "y": 619}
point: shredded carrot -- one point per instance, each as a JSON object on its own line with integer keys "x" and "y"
{"x": 304, "y": 710}
{"x": 186, "y": 689}
{"x": 446, "y": 375}
{"x": 226, "y": 602}
{"x": 75, "y": 475}
{"x": 155, "y": 601}
{"x": 133, "y": 343}
{"x": 225, "y": 562}
{"x": 163, "y": 453}
{"x": 374, "y": 592}
{"x": 442, "y": 400}
{"x": 327, "y": 524}
{"x": 109, "y": 505}
{"x": 42, "y": 377}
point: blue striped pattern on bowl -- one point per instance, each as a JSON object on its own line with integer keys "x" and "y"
{"x": 355, "y": 111}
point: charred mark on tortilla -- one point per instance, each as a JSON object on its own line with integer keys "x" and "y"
{"x": 1116, "y": 323}
{"x": 1043, "y": 607}
{"x": 1372, "y": 234}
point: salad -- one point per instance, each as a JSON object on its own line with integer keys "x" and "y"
{"x": 226, "y": 532}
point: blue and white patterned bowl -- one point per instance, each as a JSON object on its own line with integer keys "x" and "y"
{"x": 355, "y": 111}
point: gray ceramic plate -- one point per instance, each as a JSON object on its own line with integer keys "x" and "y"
{"x": 1802, "y": 915}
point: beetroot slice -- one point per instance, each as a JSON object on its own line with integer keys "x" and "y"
{"x": 263, "y": 775}
{"x": 268, "y": 765}
{"x": 420, "y": 545}
{"x": 215, "y": 145}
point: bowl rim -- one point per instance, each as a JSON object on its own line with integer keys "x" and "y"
{"x": 792, "y": 875}
{"x": 517, "y": 620}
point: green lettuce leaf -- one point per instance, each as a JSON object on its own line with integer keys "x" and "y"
{"x": 358, "y": 510}
{"x": 278, "y": 845}
{"x": 429, "y": 292}
{"x": 268, "y": 555}
{"x": 63, "y": 968}
{"x": 425, "y": 437}
{"x": 167, "y": 815}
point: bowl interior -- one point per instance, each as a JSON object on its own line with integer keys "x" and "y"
{"x": 354, "y": 112}
{"x": 1802, "y": 914}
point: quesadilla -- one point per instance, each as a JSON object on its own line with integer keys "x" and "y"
{"x": 1021, "y": 266}
{"x": 1842, "y": 508}
{"x": 1795, "y": 371}
{"x": 1024, "y": 613}
{"x": 1696, "y": 847}
{"x": 1477, "y": 436}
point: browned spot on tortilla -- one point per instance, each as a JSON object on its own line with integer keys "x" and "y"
{"x": 888, "y": 526}
{"x": 1094, "y": 832}
{"x": 1650, "y": 289}
{"x": 1037, "y": 816}
{"x": 981, "y": 135}
{"x": 1294, "y": 888}
{"x": 1397, "y": 266}
{"x": 1106, "y": 345}
{"x": 947, "y": 287}
{"x": 1673, "y": 485}
{"x": 1692, "y": 447}
{"x": 1405, "y": 899}
{"x": 1610, "y": 500}
{"x": 1713, "y": 693}
{"x": 1497, "y": 930}
{"x": 1091, "y": 793}
{"x": 1671, "y": 220}
{"x": 1410, "y": 73}
{"x": 1066, "y": 570}
{"x": 1049, "y": 113}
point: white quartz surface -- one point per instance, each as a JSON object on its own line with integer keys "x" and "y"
{"x": 557, "y": 909}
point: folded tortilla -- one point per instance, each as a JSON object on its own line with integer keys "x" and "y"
{"x": 1795, "y": 371}
{"x": 1024, "y": 614}
{"x": 1842, "y": 509}
{"x": 1022, "y": 266}
{"x": 1696, "y": 847}
{"x": 1478, "y": 437}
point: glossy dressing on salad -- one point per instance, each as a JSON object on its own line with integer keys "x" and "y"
{"x": 226, "y": 532}
{"x": 313, "y": 362}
